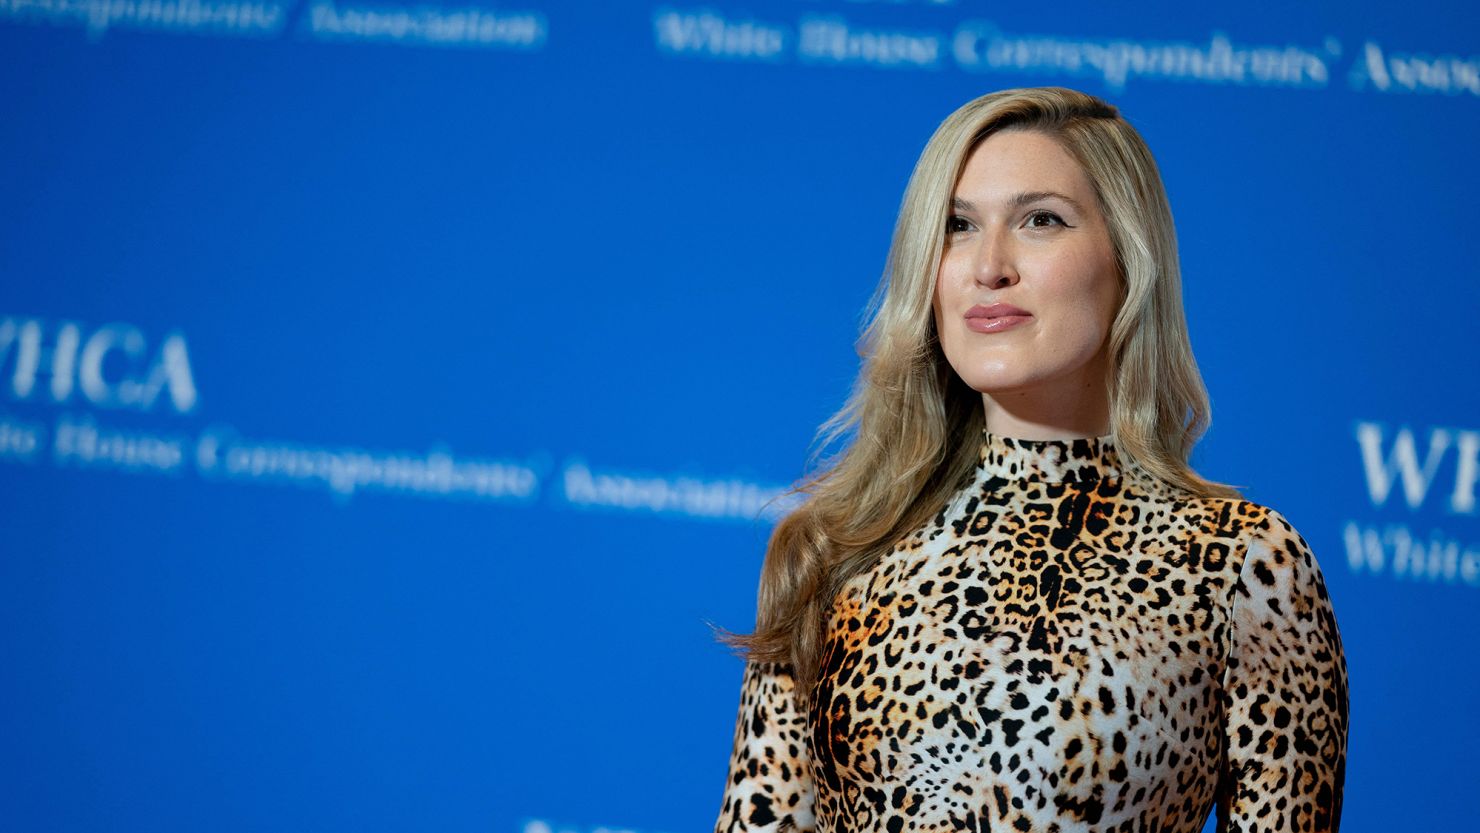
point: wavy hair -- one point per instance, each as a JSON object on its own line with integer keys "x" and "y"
{"x": 908, "y": 411}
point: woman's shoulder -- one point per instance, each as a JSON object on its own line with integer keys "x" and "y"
{"x": 1240, "y": 524}
{"x": 1224, "y": 516}
{"x": 1271, "y": 554}
{"x": 1251, "y": 517}
{"x": 1261, "y": 523}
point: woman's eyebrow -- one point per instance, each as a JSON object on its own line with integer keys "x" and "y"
{"x": 1018, "y": 200}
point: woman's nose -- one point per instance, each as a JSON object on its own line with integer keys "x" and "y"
{"x": 995, "y": 267}
{"x": 1000, "y": 280}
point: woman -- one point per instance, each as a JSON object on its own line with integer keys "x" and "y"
{"x": 1011, "y": 604}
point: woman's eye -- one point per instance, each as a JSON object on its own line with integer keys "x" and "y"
{"x": 956, "y": 223}
{"x": 1044, "y": 215}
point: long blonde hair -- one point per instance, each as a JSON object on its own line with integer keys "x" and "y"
{"x": 911, "y": 415}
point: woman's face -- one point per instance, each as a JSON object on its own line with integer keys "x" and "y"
{"x": 1025, "y": 230}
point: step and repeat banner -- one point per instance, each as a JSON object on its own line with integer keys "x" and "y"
{"x": 392, "y": 394}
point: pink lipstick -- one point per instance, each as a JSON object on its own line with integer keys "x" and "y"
{"x": 994, "y": 318}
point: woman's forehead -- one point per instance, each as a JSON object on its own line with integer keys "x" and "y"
{"x": 1015, "y": 161}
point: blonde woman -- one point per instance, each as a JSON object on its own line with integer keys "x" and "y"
{"x": 1011, "y": 604}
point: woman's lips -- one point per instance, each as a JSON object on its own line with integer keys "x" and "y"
{"x": 994, "y": 318}
{"x": 995, "y": 325}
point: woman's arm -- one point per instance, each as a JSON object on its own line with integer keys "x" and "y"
{"x": 1284, "y": 692}
{"x": 770, "y": 783}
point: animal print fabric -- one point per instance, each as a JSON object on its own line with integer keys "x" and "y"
{"x": 1069, "y": 645}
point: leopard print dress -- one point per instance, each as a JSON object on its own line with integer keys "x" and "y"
{"x": 1069, "y": 645}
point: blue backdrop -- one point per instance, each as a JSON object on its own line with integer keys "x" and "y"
{"x": 389, "y": 393}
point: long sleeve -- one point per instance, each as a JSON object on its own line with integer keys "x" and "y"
{"x": 770, "y": 781}
{"x": 1284, "y": 692}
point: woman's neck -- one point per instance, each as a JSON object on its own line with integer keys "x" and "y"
{"x": 1058, "y": 412}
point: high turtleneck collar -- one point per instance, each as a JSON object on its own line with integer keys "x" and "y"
{"x": 1079, "y": 460}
